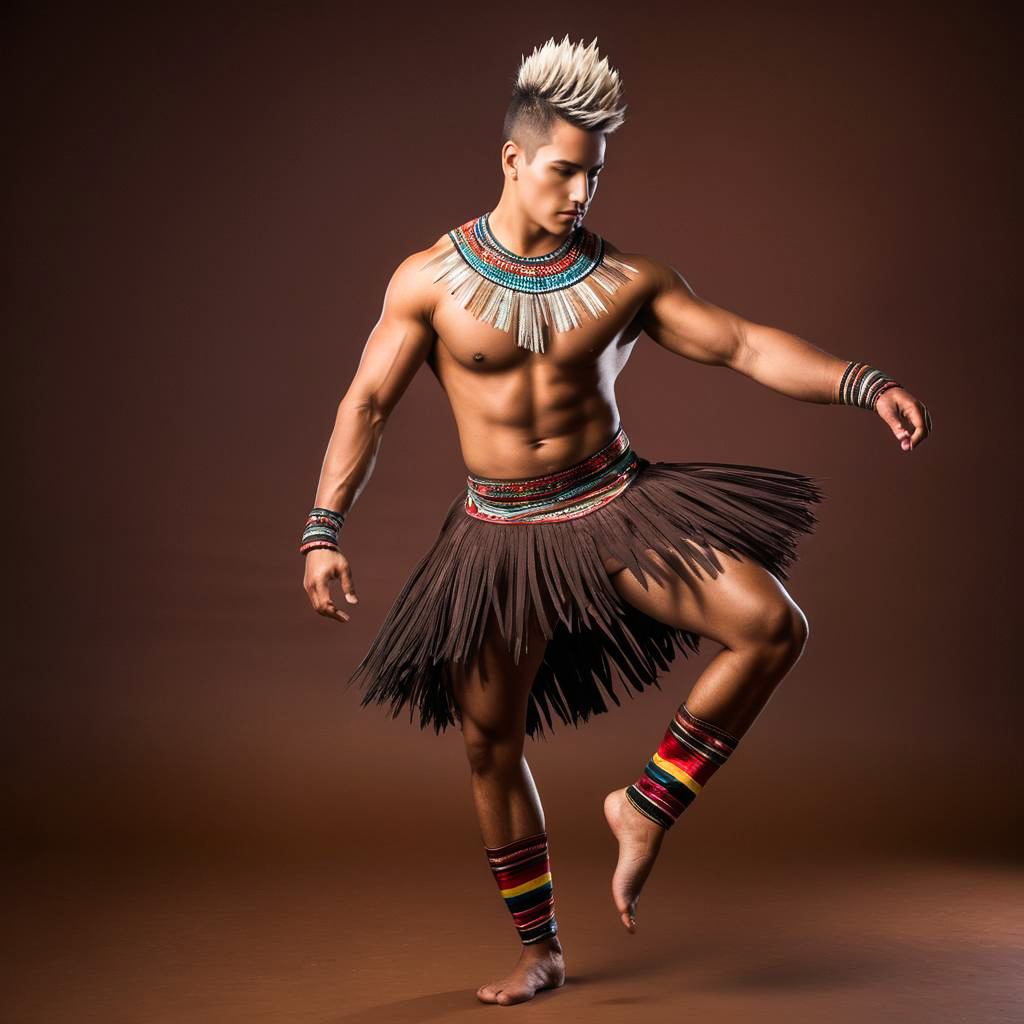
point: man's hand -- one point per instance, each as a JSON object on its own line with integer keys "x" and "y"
{"x": 323, "y": 565}
{"x": 899, "y": 408}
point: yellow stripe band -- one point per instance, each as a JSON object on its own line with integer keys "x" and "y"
{"x": 534, "y": 883}
{"x": 676, "y": 772}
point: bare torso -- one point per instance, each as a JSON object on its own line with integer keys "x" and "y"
{"x": 522, "y": 413}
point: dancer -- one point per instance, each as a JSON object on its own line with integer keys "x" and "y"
{"x": 571, "y": 568}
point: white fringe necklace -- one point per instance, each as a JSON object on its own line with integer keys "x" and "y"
{"x": 528, "y": 294}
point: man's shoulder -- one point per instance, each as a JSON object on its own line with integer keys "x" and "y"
{"x": 410, "y": 267}
{"x": 412, "y": 283}
{"x": 649, "y": 270}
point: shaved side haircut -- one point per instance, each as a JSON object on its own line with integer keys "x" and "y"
{"x": 566, "y": 80}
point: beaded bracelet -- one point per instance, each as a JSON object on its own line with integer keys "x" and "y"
{"x": 861, "y": 385}
{"x": 321, "y": 530}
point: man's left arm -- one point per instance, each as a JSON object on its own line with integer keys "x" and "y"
{"x": 680, "y": 321}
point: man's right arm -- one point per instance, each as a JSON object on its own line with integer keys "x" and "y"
{"x": 396, "y": 348}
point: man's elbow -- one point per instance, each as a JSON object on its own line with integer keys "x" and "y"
{"x": 741, "y": 354}
{"x": 369, "y": 408}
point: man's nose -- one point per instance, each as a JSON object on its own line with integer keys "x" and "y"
{"x": 581, "y": 190}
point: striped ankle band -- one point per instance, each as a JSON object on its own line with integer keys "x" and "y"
{"x": 691, "y": 751}
{"x": 522, "y": 870}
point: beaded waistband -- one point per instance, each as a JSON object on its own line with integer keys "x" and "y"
{"x": 566, "y": 494}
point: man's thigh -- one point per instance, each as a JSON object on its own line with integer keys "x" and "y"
{"x": 491, "y": 690}
{"x": 729, "y": 609}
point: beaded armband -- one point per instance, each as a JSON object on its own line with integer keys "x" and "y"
{"x": 861, "y": 385}
{"x": 321, "y": 530}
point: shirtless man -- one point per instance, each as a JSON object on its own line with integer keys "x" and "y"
{"x": 534, "y": 401}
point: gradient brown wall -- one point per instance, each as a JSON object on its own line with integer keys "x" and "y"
{"x": 203, "y": 212}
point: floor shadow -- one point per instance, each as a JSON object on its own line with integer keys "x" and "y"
{"x": 735, "y": 971}
{"x": 822, "y": 970}
{"x": 437, "y": 1006}
{"x": 653, "y": 964}
{"x": 746, "y": 971}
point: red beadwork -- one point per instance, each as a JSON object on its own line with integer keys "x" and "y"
{"x": 558, "y": 480}
{"x": 598, "y": 474}
{"x": 582, "y": 246}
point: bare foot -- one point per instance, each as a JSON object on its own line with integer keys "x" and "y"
{"x": 639, "y": 842}
{"x": 540, "y": 966}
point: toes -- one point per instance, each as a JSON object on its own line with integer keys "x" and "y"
{"x": 487, "y": 993}
{"x": 623, "y": 904}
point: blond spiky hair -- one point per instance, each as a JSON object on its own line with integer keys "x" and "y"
{"x": 567, "y": 80}
{"x": 575, "y": 80}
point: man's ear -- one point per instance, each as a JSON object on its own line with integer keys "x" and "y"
{"x": 510, "y": 155}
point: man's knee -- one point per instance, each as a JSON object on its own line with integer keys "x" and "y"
{"x": 782, "y": 627}
{"x": 490, "y": 750}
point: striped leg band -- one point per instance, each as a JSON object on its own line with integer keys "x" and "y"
{"x": 522, "y": 870}
{"x": 691, "y": 751}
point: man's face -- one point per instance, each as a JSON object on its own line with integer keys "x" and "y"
{"x": 561, "y": 177}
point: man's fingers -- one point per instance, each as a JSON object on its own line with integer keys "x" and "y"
{"x": 890, "y": 416}
{"x": 903, "y": 411}
{"x": 323, "y": 604}
{"x": 922, "y": 421}
{"x": 913, "y": 414}
{"x": 927, "y": 418}
{"x": 319, "y": 595}
{"x": 320, "y": 599}
{"x": 333, "y": 612}
{"x": 347, "y": 585}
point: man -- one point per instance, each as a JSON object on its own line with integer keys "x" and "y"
{"x": 569, "y": 559}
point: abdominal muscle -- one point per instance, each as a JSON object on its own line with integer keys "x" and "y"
{"x": 510, "y": 452}
{"x": 520, "y": 413}
{"x": 534, "y": 413}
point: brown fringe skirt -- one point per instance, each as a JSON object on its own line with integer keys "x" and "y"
{"x": 555, "y": 570}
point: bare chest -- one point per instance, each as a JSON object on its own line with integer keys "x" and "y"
{"x": 472, "y": 344}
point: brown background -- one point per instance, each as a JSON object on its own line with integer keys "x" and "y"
{"x": 202, "y": 214}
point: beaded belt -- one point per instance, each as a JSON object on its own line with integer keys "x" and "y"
{"x": 566, "y": 494}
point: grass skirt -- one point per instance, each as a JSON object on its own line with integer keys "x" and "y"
{"x": 555, "y": 570}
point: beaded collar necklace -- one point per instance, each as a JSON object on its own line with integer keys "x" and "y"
{"x": 530, "y": 295}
